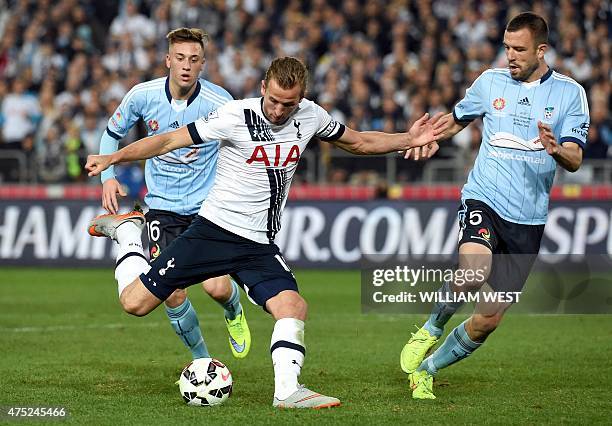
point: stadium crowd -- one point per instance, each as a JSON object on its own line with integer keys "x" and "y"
{"x": 375, "y": 64}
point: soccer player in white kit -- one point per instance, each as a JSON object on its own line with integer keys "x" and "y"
{"x": 261, "y": 143}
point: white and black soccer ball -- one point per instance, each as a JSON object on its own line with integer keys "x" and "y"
{"x": 205, "y": 381}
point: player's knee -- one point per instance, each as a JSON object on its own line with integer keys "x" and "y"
{"x": 132, "y": 306}
{"x": 469, "y": 279}
{"x": 474, "y": 267}
{"x": 219, "y": 288}
{"x": 177, "y": 298}
{"x": 297, "y": 302}
{"x": 293, "y": 301}
{"x": 301, "y": 305}
{"x": 486, "y": 324}
{"x": 288, "y": 304}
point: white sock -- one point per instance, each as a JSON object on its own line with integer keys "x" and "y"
{"x": 288, "y": 351}
{"x": 131, "y": 261}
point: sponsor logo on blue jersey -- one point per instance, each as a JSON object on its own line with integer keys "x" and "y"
{"x": 548, "y": 112}
{"x": 524, "y": 101}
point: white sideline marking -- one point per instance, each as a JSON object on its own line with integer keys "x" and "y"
{"x": 112, "y": 326}
{"x": 77, "y": 327}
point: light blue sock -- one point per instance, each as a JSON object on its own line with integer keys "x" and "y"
{"x": 232, "y": 306}
{"x": 457, "y": 346}
{"x": 184, "y": 321}
{"x": 442, "y": 311}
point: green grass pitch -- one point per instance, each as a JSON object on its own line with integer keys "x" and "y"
{"x": 66, "y": 342}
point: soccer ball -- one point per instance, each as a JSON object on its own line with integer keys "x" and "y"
{"x": 205, "y": 381}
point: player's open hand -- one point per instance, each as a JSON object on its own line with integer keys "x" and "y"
{"x": 547, "y": 138}
{"x": 96, "y": 164}
{"x": 421, "y": 152}
{"x": 443, "y": 125}
{"x": 421, "y": 132}
{"x": 110, "y": 189}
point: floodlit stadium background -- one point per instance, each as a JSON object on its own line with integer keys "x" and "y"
{"x": 65, "y": 65}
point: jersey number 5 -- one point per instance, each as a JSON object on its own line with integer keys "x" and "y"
{"x": 475, "y": 217}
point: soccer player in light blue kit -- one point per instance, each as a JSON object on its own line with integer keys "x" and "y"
{"x": 178, "y": 181}
{"x": 534, "y": 119}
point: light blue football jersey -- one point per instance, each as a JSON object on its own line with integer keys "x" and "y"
{"x": 180, "y": 180}
{"x": 513, "y": 173}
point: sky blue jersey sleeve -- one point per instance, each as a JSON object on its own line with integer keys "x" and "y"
{"x": 575, "y": 127}
{"x": 472, "y": 106}
{"x": 108, "y": 145}
{"x": 119, "y": 124}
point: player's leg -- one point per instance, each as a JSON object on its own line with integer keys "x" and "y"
{"x": 163, "y": 227}
{"x": 288, "y": 352}
{"x": 513, "y": 262}
{"x": 287, "y": 345}
{"x": 184, "y": 322}
{"x": 126, "y": 230}
{"x": 277, "y": 292}
{"x": 225, "y": 291}
{"x": 461, "y": 342}
{"x": 457, "y": 345}
{"x": 480, "y": 325}
{"x": 476, "y": 243}
{"x": 137, "y": 300}
{"x": 472, "y": 257}
{"x": 516, "y": 250}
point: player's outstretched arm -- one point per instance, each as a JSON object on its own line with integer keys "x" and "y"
{"x": 567, "y": 155}
{"x": 426, "y": 151}
{"x": 111, "y": 188}
{"x": 445, "y": 126}
{"x": 142, "y": 149}
{"x": 370, "y": 143}
{"x": 422, "y": 152}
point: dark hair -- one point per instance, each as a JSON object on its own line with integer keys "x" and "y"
{"x": 180, "y": 35}
{"x": 533, "y": 22}
{"x": 288, "y": 72}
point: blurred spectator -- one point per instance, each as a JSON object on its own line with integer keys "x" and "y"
{"x": 599, "y": 143}
{"x": 130, "y": 22}
{"x": 51, "y": 157}
{"x": 579, "y": 66}
{"x": 196, "y": 14}
{"x": 470, "y": 30}
{"x": 20, "y": 112}
{"x": 123, "y": 55}
{"x": 75, "y": 154}
{"x": 236, "y": 73}
{"x": 90, "y": 131}
{"x": 49, "y": 110}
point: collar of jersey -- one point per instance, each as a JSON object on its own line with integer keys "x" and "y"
{"x": 545, "y": 77}
{"x": 194, "y": 95}
{"x": 266, "y": 118}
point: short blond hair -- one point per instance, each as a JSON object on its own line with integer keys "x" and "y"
{"x": 181, "y": 35}
{"x": 288, "y": 72}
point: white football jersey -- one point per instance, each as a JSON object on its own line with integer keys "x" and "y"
{"x": 257, "y": 160}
